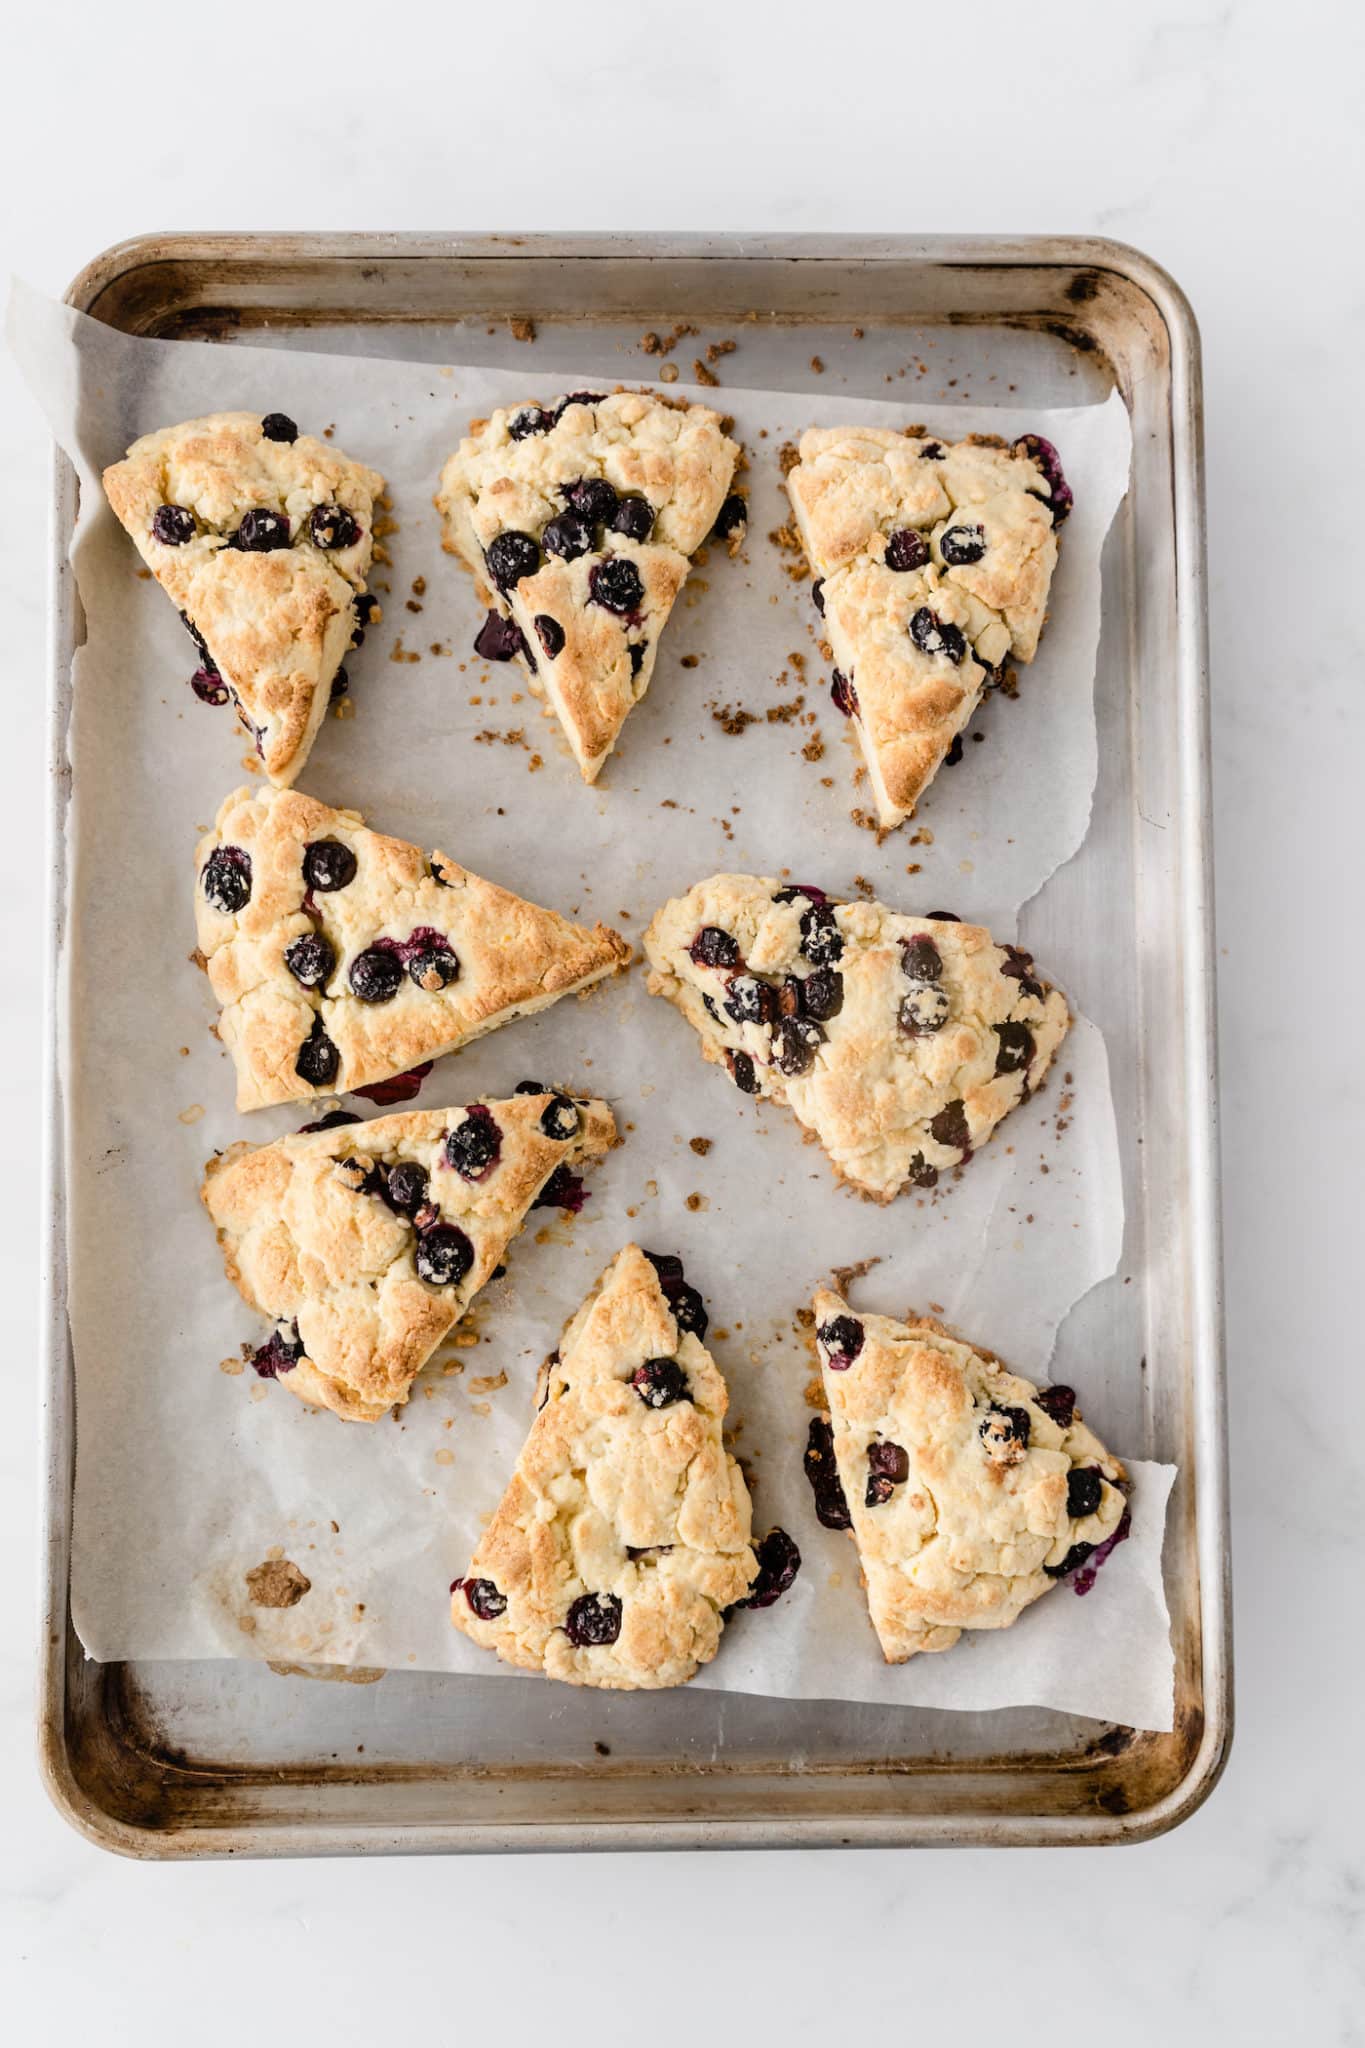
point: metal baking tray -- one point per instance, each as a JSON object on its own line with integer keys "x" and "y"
{"x": 222, "y": 1758}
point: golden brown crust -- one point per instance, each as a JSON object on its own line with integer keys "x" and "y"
{"x": 513, "y": 956}
{"x": 851, "y": 491}
{"x": 678, "y": 457}
{"x": 310, "y": 1241}
{"x": 895, "y": 1095}
{"x": 632, "y": 1508}
{"x": 976, "y": 1526}
{"x": 277, "y": 625}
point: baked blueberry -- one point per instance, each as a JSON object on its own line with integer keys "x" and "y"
{"x": 207, "y": 685}
{"x": 261, "y": 531}
{"x": 962, "y": 545}
{"x": 332, "y": 526}
{"x": 577, "y": 398}
{"x": 687, "y": 1308}
{"x": 510, "y": 556}
{"x": 636, "y": 651}
{"x": 749, "y": 1000}
{"x": 843, "y": 695}
{"x": 831, "y": 1503}
{"x": 1074, "y": 1558}
{"x": 474, "y": 1147}
{"x": 333, "y": 1121}
{"x": 531, "y": 1088}
{"x": 713, "y": 947}
{"x": 532, "y": 419}
{"x": 936, "y": 636}
{"x": 921, "y": 959}
{"x": 1018, "y": 966}
{"x": 732, "y": 516}
{"x": 200, "y": 642}
{"x": 954, "y": 753}
{"x": 173, "y": 525}
{"x": 1084, "y": 1491}
{"x": 279, "y": 1355}
{"x": 1059, "y": 1403}
{"x": 431, "y": 960}
{"x": 550, "y": 634}
{"x": 310, "y": 959}
{"x": 1005, "y": 1433}
{"x": 923, "y": 1011}
{"x": 406, "y": 1187}
{"x": 660, "y": 1382}
{"x": 669, "y": 1268}
{"x": 593, "y": 1621}
{"x": 615, "y": 585}
{"x": 841, "y": 1339}
{"x": 317, "y": 1059}
{"x": 949, "y": 1128}
{"x": 944, "y": 917}
{"x": 563, "y": 1190}
{"x": 794, "y": 891}
{"x": 376, "y": 975}
{"x": 560, "y": 1119}
{"x": 1014, "y": 1050}
{"x": 277, "y": 426}
{"x": 1050, "y": 462}
{"x": 742, "y": 1072}
{"x": 593, "y": 499}
{"x": 920, "y": 1174}
{"x": 932, "y": 451}
{"x": 907, "y": 549}
{"x": 634, "y": 517}
{"x": 779, "y": 1561}
{"x": 822, "y": 994}
{"x": 568, "y": 535}
{"x": 484, "y": 1598}
{"x": 327, "y": 866}
{"x": 817, "y": 595}
{"x": 500, "y": 639}
{"x": 226, "y": 879}
{"x": 444, "y": 1255}
{"x": 821, "y": 940}
{"x": 888, "y": 1466}
{"x": 341, "y": 683}
{"x": 798, "y": 1041}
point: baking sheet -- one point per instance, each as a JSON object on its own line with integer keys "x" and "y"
{"x": 188, "y": 1477}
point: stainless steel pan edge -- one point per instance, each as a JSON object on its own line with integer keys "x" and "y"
{"x": 365, "y": 1831}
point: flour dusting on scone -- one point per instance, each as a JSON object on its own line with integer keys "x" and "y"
{"x": 932, "y": 563}
{"x": 262, "y": 537}
{"x": 970, "y": 1491}
{"x": 900, "y": 1042}
{"x": 341, "y": 957}
{"x": 364, "y": 1243}
{"x": 624, "y": 1533}
{"x": 577, "y": 521}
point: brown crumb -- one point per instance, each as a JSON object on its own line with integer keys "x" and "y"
{"x": 783, "y": 714}
{"x": 490, "y": 737}
{"x": 669, "y": 373}
{"x": 702, "y": 374}
{"x": 813, "y": 1393}
{"x": 523, "y": 330}
{"x": 814, "y": 749}
{"x": 398, "y": 652}
{"x": 817, "y": 365}
{"x": 488, "y": 1383}
{"x": 419, "y": 586}
{"x": 689, "y": 661}
{"x": 412, "y": 604}
{"x": 857, "y": 333}
{"x": 276, "y": 1583}
{"x": 733, "y": 719}
{"x": 844, "y": 1276}
{"x": 664, "y": 344}
{"x": 788, "y": 455}
{"x": 697, "y": 1202}
{"x": 701, "y": 1146}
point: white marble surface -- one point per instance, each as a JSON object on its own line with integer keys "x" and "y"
{"x": 1225, "y": 141}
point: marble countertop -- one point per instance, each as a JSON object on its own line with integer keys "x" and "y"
{"x": 1222, "y": 140}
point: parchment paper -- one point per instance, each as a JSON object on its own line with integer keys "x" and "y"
{"x": 189, "y": 1476}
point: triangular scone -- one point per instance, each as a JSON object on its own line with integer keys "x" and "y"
{"x": 262, "y": 537}
{"x": 970, "y": 1491}
{"x": 341, "y": 957}
{"x": 900, "y": 1042}
{"x": 933, "y": 562}
{"x": 623, "y": 1535}
{"x": 366, "y": 1243}
{"x": 577, "y": 521}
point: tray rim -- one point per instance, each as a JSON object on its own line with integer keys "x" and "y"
{"x": 1199, "y": 953}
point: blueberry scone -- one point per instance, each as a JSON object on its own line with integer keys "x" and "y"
{"x": 578, "y": 521}
{"x": 262, "y": 538}
{"x": 364, "y": 1243}
{"x": 970, "y": 1491}
{"x": 624, "y": 1533}
{"x": 932, "y": 563}
{"x": 341, "y": 957}
{"x": 900, "y": 1042}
